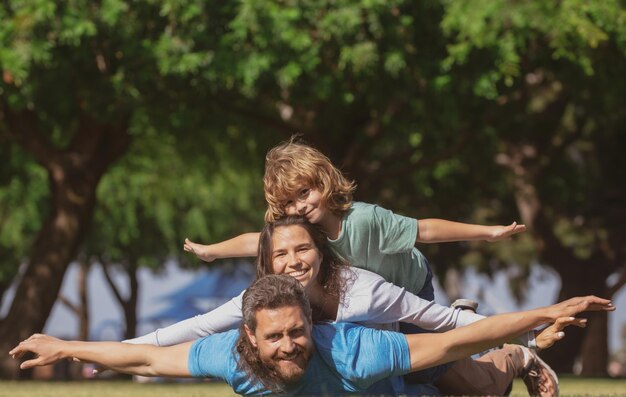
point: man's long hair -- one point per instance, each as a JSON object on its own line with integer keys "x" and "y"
{"x": 333, "y": 275}
{"x": 268, "y": 292}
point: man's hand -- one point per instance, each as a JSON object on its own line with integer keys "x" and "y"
{"x": 553, "y": 333}
{"x": 127, "y": 358}
{"x": 504, "y": 232}
{"x": 47, "y": 349}
{"x": 200, "y": 250}
{"x": 573, "y": 306}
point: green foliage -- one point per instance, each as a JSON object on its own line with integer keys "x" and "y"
{"x": 506, "y": 30}
{"x": 23, "y": 198}
{"x": 420, "y": 102}
{"x": 158, "y": 195}
{"x": 151, "y": 62}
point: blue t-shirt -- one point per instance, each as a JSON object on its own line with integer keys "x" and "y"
{"x": 348, "y": 358}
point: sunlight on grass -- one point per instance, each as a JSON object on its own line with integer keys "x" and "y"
{"x": 569, "y": 387}
{"x": 113, "y": 389}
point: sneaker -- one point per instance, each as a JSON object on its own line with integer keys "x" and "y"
{"x": 465, "y": 304}
{"x": 539, "y": 378}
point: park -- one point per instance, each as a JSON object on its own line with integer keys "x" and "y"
{"x": 127, "y": 127}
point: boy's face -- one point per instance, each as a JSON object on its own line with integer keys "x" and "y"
{"x": 306, "y": 201}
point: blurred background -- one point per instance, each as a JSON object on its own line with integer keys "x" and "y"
{"x": 126, "y": 126}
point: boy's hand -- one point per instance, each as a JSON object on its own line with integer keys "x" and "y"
{"x": 200, "y": 250}
{"x": 553, "y": 333}
{"x": 503, "y": 232}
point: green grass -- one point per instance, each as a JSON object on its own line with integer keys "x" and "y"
{"x": 99, "y": 388}
{"x": 569, "y": 387}
{"x": 572, "y": 386}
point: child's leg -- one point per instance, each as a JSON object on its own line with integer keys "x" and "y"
{"x": 428, "y": 375}
{"x": 489, "y": 375}
{"x": 428, "y": 291}
{"x": 492, "y": 374}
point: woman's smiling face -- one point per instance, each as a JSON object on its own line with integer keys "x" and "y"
{"x": 294, "y": 253}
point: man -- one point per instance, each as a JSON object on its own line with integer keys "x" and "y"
{"x": 277, "y": 349}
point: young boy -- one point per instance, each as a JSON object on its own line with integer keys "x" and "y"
{"x": 300, "y": 180}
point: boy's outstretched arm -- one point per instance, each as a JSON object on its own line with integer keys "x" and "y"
{"x": 144, "y": 360}
{"x": 440, "y": 231}
{"x": 243, "y": 245}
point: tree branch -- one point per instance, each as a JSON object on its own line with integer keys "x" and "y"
{"x": 254, "y": 114}
{"x": 621, "y": 281}
{"x": 449, "y": 152}
{"x": 21, "y": 127}
{"x": 69, "y": 304}
{"x": 99, "y": 142}
{"x": 109, "y": 279}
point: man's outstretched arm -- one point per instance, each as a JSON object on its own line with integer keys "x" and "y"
{"x": 143, "y": 360}
{"x": 428, "y": 350}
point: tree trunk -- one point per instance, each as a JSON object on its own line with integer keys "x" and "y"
{"x": 594, "y": 350}
{"x": 83, "y": 306}
{"x": 578, "y": 276}
{"x": 81, "y": 311}
{"x": 74, "y": 174}
{"x": 129, "y": 304}
{"x": 3, "y": 288}
{"x": 55, "y": 247}
{"x": 590, "y": 344}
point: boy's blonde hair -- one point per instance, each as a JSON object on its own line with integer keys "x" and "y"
{"x": 292, "y": 165}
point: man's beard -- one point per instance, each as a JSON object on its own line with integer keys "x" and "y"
{"x": 292, "y": 373}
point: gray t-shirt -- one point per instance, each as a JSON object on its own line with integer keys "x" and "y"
{"x": 380, "y": 241}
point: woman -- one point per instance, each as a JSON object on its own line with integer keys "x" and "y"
{"x": 338, "y": 292}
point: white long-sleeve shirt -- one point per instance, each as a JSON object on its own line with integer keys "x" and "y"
{"x": 368, "y": 299}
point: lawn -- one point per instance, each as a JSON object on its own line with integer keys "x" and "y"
{"x": 572, "y": 386}
{"x": 569, "y": 387}
{"x": 99, "y": 388}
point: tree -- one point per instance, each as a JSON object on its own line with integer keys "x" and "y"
{"x": 80, "y": 82}
{"x": 419, "y": 102}
{"x": 435, "y": 108}
{"x": 154, "y": 198}
{"x": 556, "y": 100}
{"x": 22, "y": 196}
